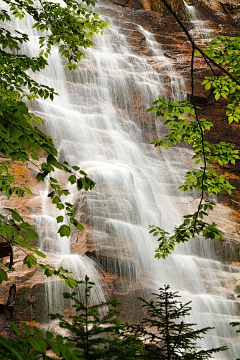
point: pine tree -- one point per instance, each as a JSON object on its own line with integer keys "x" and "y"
{"x": 96, "y": 330}
{"x": 166, "y": 335}
{"x": 236, "y": 324}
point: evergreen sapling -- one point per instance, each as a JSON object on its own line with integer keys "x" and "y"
{"x": 166, "y": 335}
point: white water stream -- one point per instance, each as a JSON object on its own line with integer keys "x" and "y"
{"x": 191, "y": 11}
{"x": 199, "y": 26}
{"x": 100, "y": 123}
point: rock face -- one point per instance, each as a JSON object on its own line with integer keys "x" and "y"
{"x": 99, "y": 241}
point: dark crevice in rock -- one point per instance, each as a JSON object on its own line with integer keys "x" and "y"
{"x": 121, "y": 2}
{"x": 6, "y": 313}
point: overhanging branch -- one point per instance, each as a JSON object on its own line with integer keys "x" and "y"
{"x": 196, "y": 47}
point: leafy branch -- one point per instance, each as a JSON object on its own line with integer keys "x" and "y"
{"x": 71, "y": 28}
{"x": 192, "y": 130}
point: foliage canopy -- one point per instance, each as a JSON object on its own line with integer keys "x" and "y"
{"x": 93, "y": 331}
{"x": 167, "y": 335}
{"x": 70, "y": 26}
{"x": 182, "y": 118}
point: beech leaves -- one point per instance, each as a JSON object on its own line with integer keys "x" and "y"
{"x": 185, "y": 126}
{"x": 20, "y": 136}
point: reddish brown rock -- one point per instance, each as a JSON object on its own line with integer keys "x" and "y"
{"x": 102, "y": 245}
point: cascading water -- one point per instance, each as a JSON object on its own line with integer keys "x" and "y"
{"x": 195, "y": 17}
{"x": 191, "y": 11}
{"x": 100, "y": 122}
{"x": 176, "y": 81}
{"x": 57, "y": 248}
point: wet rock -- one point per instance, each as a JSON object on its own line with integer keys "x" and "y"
{"x": 200, "y": 100}
{"x": 6, "y": 313}
{"x": 100, "y": 240}
{"x": 120, "y": 2}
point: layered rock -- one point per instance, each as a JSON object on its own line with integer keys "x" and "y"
{"x": 98, "y": 241}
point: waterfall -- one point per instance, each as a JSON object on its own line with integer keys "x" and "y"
{"x": 101, "y": 124}
{"x": 199, "y": 27}
{"x": 191, "y": 11}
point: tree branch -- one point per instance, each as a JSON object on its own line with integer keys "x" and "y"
{"x": 202, "y": 137}
{"x": 205, "y": 56}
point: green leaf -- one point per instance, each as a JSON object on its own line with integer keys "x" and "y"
{"x": 15, "y": 328}
{"x": 37, "y": 332}
{"x": 40, "y": 177}
{"x": 59, "y": 339}
{"x": 42, "y": 345}
{"x": 30, "y": 260}
{"x": 54, "y": 348}
{"x": 39, "y": 253}
{"x": 56, "y": 200}
{"x": 70, "y": 282}
{"x": 82, "y": 172}
{"x": 26, "y": 329}
{"x": 49, "y": 335}
{"x": 33, "y": 234}
{"x": 51, "y": 194}
{"x": 59, "y": 219}
{"x": 72, "y": 179}
{"x": 208, "y": 86}
{"x": 64, "y": 230}
{"x": 79, "y": 226}
{"x": 34, "y": 344}
{"x": 3, "y": 276}
{"x": 78, "y": 352}
{"x": 34, "y": 156}
{"x": 51, "y": 160}
{"x": 53, "y": 180}
{"x": 16, "y": 216}
{"x": 79, "y": 184}
{"x": 28, "y": 191}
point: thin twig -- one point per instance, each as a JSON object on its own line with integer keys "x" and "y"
{"x": 209, "y": 61}
{"x": 202, "y": 137}
{"x": 205, "y": 56}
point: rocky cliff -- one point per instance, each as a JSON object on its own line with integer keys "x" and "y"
{"x": 216, "y": 18}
